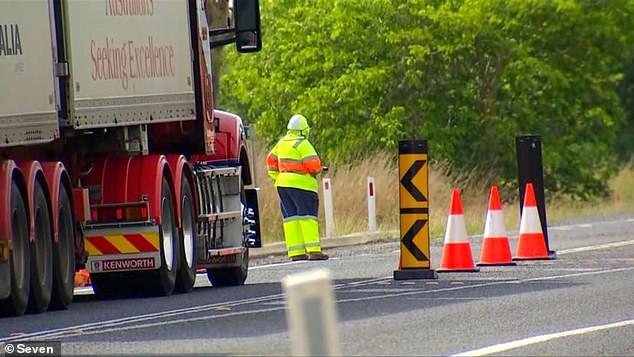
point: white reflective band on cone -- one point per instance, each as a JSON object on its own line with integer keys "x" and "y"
{"x": 530, "y": 221}
{"x": 456, "y": 229}
{"x": 494, "y": 224}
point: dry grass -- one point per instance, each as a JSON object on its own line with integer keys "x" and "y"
{"x": 620, "y": 201}
{"x": 350, "y": 204}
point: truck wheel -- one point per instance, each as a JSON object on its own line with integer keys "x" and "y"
{"x": 187, "y": 270}
{"x": 17, "y": 302}
{"x": 41, "y": 254}
{"x": 64, "y": 255}
{"x": 230, "y": 276}
{"x": 169, "y": 242}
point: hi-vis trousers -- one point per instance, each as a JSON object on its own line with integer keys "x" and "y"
{"x": 301, "y": 229}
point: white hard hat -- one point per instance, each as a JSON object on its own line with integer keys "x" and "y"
{"x": 298, "y": 122}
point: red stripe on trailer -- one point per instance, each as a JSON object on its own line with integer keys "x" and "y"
{"x": 103, "y": 245}
{"x": 140, "y": 243}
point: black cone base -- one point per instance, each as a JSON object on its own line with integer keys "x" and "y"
{"x": 410, "y": 274}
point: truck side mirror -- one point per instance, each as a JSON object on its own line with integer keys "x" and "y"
{"x": 249, "y": 132}
{"x": 247, "y": 18}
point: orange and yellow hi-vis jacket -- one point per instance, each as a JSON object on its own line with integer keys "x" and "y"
{"x": 293, "y": 162}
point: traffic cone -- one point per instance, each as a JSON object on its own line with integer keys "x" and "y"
{"x": 456, "y": 253}
{"x": 531, "y": 244}
{"x": 496, "y": 249}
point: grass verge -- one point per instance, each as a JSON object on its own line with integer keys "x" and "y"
{"x": 350, "y": 203}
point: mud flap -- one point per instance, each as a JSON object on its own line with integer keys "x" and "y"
{"x": 251, "y": 196}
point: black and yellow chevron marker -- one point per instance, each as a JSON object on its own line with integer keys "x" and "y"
{"x": 415, "y": 260}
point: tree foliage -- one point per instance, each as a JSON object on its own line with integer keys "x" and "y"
{"x": 467, "y": 75}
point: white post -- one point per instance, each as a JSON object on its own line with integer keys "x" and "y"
{"x": 328, "y": 208}
{"x": 371, "y": 205}
{"x": 311, "y": 313}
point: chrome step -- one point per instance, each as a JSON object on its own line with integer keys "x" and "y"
{"x": 220, "y": 171}
{"x": 212, "y": 217}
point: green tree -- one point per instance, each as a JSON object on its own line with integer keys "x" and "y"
{"x": 468, "y": 75}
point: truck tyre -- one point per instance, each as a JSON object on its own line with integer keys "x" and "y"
{"x": 169, "y": 242}
{"x": 230, "y": 276}
{"x": 64, "y": 254}
{"x": 187, "y": 270}
{"x": 41, "y": 254}
{"x": 19, "y": 261}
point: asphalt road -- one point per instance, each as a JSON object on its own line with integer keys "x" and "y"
{"x": 579, "y": 304}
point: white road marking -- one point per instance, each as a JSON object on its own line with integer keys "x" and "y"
{"x": 616, "y": 270}
{"x": 87, "y": 290}
{"x": 116, "y": 325}
{"x": 596, "y": 247}
{"x": 584, "y": 225}
{"x": 78, "y": 329}
{"x": 378, "y": 290}
{"x": 277, "y": 264}
{"x": 273, "y": 265}
{"x": 582, "y": 249}
{"x": 560, "y": 228}
{"x": 166, "y": 314}
{"x": 543, "y": 338}
{"x": 464, "y": 287}
{"x": 570, "y": 228}
{"x": 576, "y": 269}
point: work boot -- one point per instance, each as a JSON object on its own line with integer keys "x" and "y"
{"x": 299, "y": 257}
{"x": 317, "y": 256}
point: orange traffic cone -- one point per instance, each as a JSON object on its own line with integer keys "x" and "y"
{"x": 531, "y": 244}
{"x": 456, "y": 253}
{"x": 496, "y": 249}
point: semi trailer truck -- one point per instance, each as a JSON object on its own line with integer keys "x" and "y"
{"x": 113, "y": 155}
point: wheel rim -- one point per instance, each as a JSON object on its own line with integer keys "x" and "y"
{"x": 168, "y": 233}
{"x": 188, "y": 231}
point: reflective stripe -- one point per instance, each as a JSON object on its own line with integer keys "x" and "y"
{"x": 298, "y": 143}
{"x": 297, "y": 163}
{"x": 312, "y": 164}
{"x": 296, "y": 168}
{"x": 298, "y": 218}
{"x": 295, "y": 247}
{"x": 294, "y": 239}
{"x": 309, "y": 165}
{"x": 310, "y": 234}
{"x": 295, "y": 172}
{"x": 291, "y": 161}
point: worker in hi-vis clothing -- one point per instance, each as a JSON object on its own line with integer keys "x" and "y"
{"x": 294, "y": 164}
